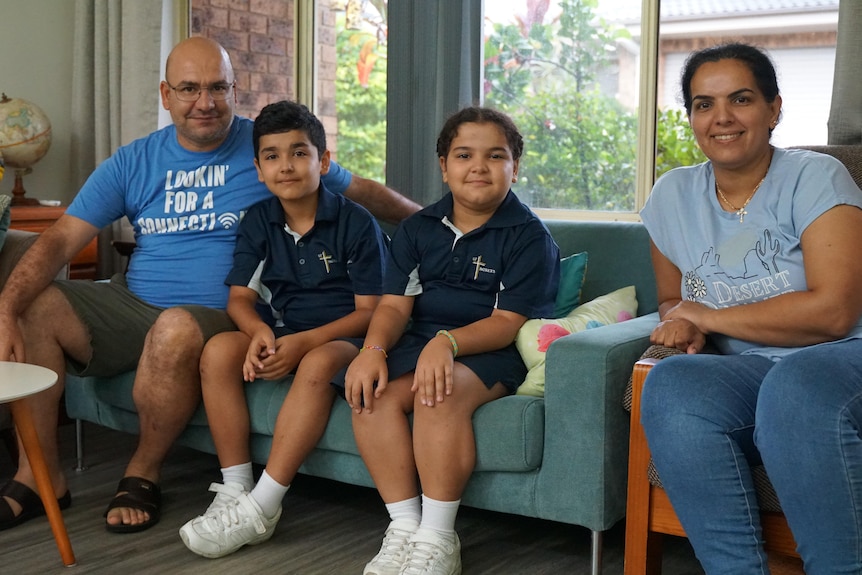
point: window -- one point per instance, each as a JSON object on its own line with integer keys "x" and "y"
{"x": 801, "y": 42}
{"x": 568, "y": 77}
{"x": 360, "y": 85}
{"x": 569, "y": 73}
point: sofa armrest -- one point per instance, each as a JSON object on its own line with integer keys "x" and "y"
{"x": 17, "y": 242}
{"x": 586, "y": 426}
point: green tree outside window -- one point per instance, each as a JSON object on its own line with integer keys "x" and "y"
{"x": 580, "y": 143}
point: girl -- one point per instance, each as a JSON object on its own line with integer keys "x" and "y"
{"x": 468, "y": 270}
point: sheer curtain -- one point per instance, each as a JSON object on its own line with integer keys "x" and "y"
{"x": 115, "y": 95}
{"x": 442, "y": 73}
{"x": 845, "y": 116}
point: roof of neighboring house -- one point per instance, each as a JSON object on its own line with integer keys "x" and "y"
{"x": 704, "y": 9}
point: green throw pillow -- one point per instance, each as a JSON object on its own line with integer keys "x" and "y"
{"x": 608, "y": 309}
{"x": 573, "y": 269}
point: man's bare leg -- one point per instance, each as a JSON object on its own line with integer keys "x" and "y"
{"x": 49, "y": 326}
{"x": 166, "y": 393}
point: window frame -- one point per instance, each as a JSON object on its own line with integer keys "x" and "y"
{"x": 305, "y": 48}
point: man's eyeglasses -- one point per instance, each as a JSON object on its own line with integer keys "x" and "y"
{"x": 191, "y": 92}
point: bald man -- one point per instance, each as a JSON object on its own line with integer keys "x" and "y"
{"x": 183, "y": 188}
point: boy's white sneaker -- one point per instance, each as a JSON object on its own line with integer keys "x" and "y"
{"x": 393, "y": 551}
{"x": 430, "y": 553}
{"x": 224, "y": 494}
{"x": 232, "y": 520}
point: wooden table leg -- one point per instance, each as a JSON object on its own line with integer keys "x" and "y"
{"x": 30, "y": 440}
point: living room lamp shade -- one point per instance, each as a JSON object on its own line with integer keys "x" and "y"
{"x": 25, "y": 136}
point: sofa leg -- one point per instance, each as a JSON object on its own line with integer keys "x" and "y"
{"x": 79, "y": 445}
{"x": 596, "y": 551}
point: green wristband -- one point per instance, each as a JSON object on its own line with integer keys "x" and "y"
{"x": 451, "y": 340}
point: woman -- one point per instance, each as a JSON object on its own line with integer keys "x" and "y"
{"x": 756, "y": 252}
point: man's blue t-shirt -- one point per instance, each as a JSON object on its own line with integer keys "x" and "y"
{"x": 184, "y": 207}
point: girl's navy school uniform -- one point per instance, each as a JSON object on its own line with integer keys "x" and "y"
{"x": 511, "y": 263}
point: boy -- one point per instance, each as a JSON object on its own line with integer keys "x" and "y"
{"x": 316, "y": 260}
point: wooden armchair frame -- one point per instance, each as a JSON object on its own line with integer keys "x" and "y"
{"x": 649, "y": 513}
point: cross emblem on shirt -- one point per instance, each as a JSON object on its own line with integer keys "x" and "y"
{"x": 325, "y": 258}
{"x": 477, "y": 261}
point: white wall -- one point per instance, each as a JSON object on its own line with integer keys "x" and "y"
{"x": 36, "y": 65}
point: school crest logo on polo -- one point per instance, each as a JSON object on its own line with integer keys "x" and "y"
{"x": 480, "y": 267}
{"x": 326, "y": 259}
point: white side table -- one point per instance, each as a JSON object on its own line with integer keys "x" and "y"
{"x": 17, "y": 382}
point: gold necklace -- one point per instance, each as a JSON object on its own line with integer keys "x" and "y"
{"x": 740, "y": 211}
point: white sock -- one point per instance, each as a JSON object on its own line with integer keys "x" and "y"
{"x": 439, "y": 515}
{"x": 242, "y": 474}
{"x": 269, "y": 493}
{"x": 407, "y": 509}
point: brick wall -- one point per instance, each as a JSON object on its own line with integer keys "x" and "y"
{"x": 259, "y": 36}
{"x": 327, "y": 60}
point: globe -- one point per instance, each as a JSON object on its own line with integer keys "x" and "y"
{"x": 25, "y": 136}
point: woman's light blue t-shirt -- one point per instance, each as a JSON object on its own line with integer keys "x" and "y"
{"x": 725, "y": 262}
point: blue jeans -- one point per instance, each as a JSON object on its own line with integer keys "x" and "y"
{"x": 710, "y": 418}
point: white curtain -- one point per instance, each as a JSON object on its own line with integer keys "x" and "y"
{"x": 115, "y": 88}
{"x": 845, "y": 115}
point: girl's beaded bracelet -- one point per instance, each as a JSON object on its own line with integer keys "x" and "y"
{"x": 451, "y": 340}
{"x": 375, "y": 348}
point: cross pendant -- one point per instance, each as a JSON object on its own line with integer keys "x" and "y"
{"x": 741, "y": 213}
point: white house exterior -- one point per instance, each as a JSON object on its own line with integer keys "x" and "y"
{"x": 798, "y": 34}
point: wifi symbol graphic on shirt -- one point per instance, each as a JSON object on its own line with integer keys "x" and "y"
{"x": 228, "y": 220}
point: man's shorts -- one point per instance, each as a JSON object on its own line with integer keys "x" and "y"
{"x": 118, "y": 322}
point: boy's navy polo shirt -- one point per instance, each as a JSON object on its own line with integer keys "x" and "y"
{"x": 511, "y": 263}
{"x": 312, "y": 281}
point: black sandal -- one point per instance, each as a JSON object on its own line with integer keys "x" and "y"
{"x": 31, "y": 504}
{"x": 136, "y": 493}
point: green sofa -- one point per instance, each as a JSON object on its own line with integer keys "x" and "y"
{"x": 562, "y": 457}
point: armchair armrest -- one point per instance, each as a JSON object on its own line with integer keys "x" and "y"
{"x": 643, "y": 550}
{"x": 639, "y": 455}
{"x": 649, "y": 512}
{"x": 586, "y": 426}
{"x": 17, "y": 242}
{"x": 637, "y": 509}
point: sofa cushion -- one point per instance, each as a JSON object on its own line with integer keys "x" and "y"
{"x": 573, "y": 271}
{"x": 533, "y": 338}
{"x": 509, "y": 431}
{"x": 619, "y": 256}
{"x": 116, "y": 391}
{"x": 510, "y": 434}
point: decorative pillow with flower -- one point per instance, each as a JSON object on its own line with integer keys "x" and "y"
{"x": 536, "y": 335}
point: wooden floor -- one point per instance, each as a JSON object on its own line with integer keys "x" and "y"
{"x": 327, "y": 528}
